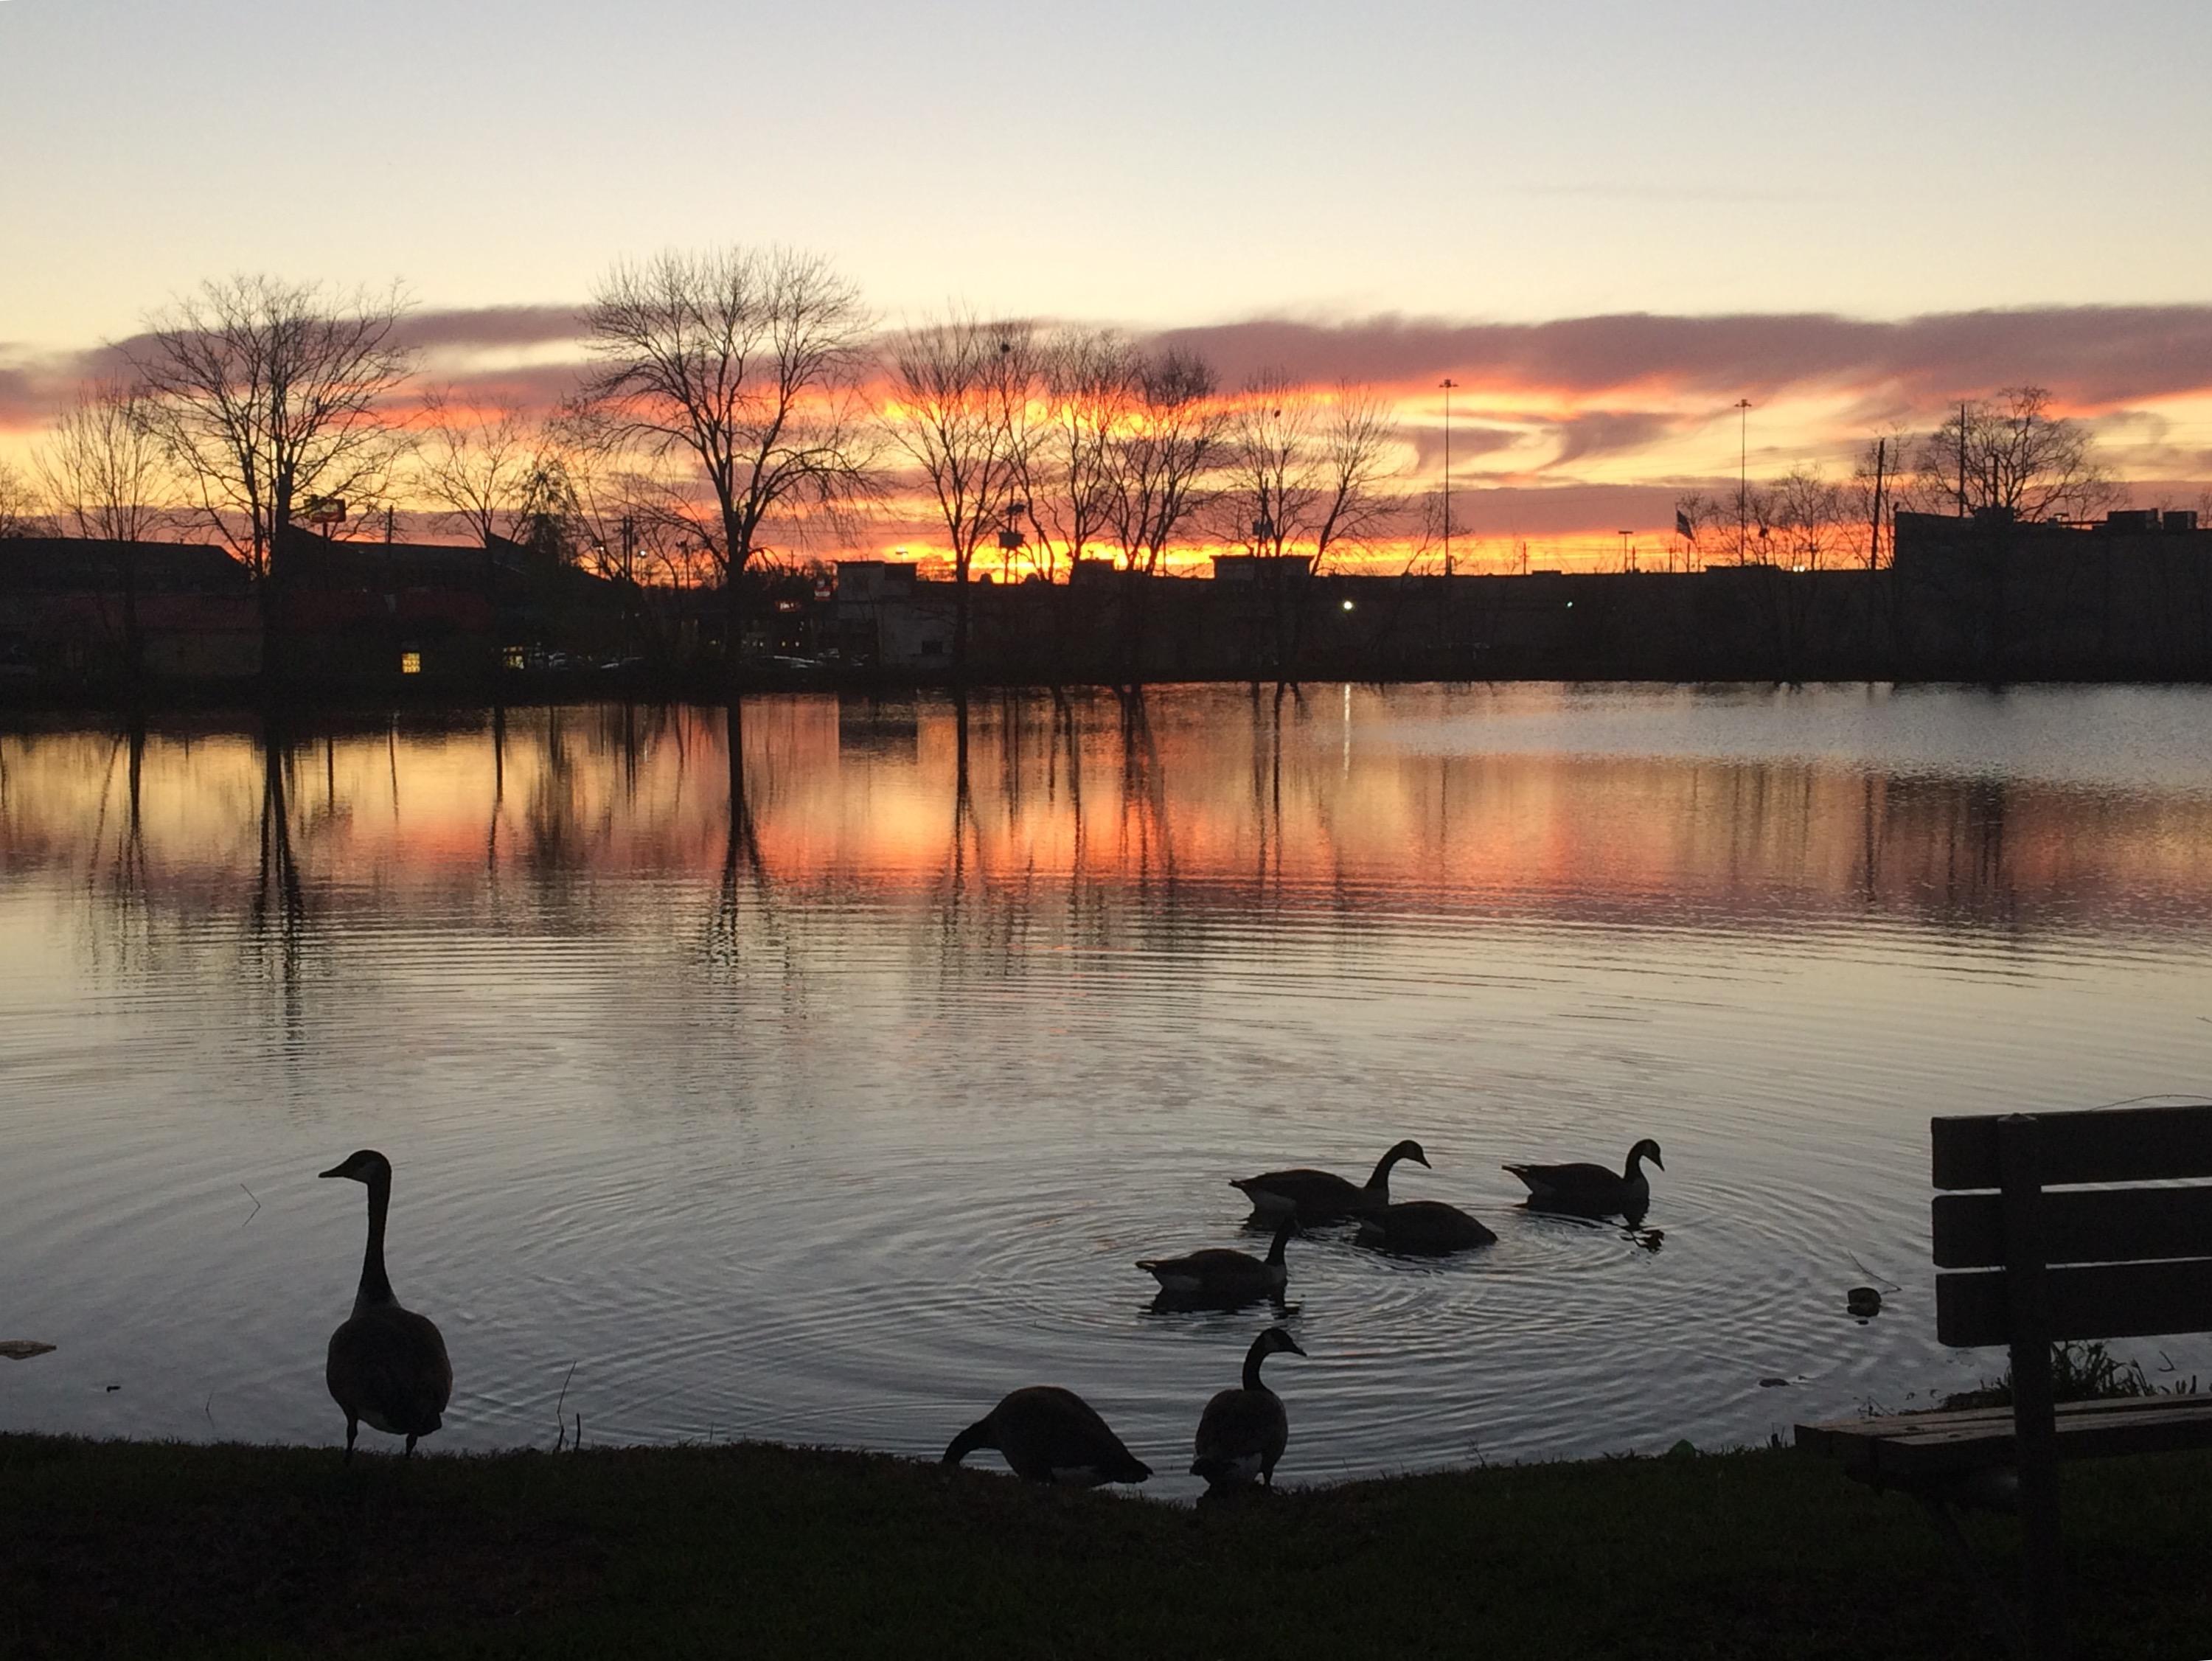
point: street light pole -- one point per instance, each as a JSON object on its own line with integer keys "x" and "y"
{"x": 1447, "y": 383}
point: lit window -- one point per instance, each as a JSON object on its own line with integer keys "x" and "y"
{"x": 411, "y": 662}
{"x": 515, "y": 657}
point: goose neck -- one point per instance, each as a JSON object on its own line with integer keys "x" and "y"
{"x": 1282, "y": 1239}
{"x": 375, "y": 1284}
{"x": 1253, "y": 1357}
{"x": 1380, "y": 1182}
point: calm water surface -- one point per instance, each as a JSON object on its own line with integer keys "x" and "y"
{"x": 826, "y": 1096}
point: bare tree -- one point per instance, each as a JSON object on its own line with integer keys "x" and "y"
{"x": 1170, "y": 445}
{"x": 19, "y": 506}
{"x": 743, "y": 361}
{"x": 1090, "y": 381}
{"x": 2011, "y": 452}
{"x": 267, "y": 395}
{"x": 1305, "y": 472}
{"x": 1807, "y": 518}
{"x": 961, "y": 405}
{"x": 1880, "y": 479}
{"x": 104, "y": 473}
{"x": 477, "y": 462}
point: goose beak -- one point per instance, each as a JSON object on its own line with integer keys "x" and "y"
{"x": 1656, "y": 1161}
{"x": 335, "y": 1171}
{"x": 1291, "y": 1344}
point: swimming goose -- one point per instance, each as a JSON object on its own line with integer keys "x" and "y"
{"x": 1314, "y": 1196}
{"x": 387, "y": 1365}
{"x": 1243, "y": 1431}
{"x": 1220, "y": 1273}
{"x": 1048, "y": 1435}
{"x": 1424, "y": 1226}
{"x": 1592, "y": 1188}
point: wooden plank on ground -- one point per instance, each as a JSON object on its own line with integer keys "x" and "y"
{"x": 2096, "y": 1225}
{"x": 2109, "y": 1144}
{"x": 1944, "y": 1443}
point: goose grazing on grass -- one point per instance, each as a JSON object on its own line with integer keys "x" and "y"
{"x": 1048, "y": 1435}
{"x": 1314, "y": 1196}
{"x": 1429, "y": 1227}
{"x": 387, "y": 1365}
{"x": 1243, "y": 1432}
{"x": 1591, "y": 1190}
{"x": 1219, "y": 1274}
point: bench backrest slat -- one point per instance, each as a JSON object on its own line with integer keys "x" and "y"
{"x": 2104, "y": 1301}
{"x": 2092, "y": 1225}
{"x": 2133, "y": 1144}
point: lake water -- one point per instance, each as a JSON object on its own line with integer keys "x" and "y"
{"x": 827, "y": 1097}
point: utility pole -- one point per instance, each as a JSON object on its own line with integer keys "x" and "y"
{"x": 1873, "y": 529}
{"x": 1449, "y": 383}
{"x": 1962, "y": 458}
{"x": 1742, "y": 473}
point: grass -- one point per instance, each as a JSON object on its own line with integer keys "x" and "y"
{"x": 2079, "y": 1373}
{"x": 119, "y": 1548}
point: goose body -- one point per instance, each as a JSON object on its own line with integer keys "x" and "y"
{"x": 1243, "y": 1432}
{"x": 1221, "y": 1273}
{"x": 1048, "y": 1435}
{"x": 1424, "y": 1226}
{"x": 1317, "y": 1197}
{"x": 1593, "y": 1190}
{"x": 386, "y": 1365}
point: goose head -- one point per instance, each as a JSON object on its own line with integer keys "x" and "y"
{"x": 367, "y": 1166}
{"x": 1410, "y": 1150}
{"x": 1274, "y": 1340}
{"x": 1646, "y": 1148}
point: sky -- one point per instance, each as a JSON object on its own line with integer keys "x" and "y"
{"x": 1613, "y": 219}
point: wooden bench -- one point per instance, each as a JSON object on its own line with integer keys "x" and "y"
{"x": 2040, "y": 1260}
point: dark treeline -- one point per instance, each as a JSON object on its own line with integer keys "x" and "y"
{"x": 740, "y": 414}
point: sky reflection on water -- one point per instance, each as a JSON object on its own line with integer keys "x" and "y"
{"x": 828, "y": 1094}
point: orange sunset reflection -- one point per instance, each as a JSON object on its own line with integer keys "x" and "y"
{"x": 1207, "y": 797}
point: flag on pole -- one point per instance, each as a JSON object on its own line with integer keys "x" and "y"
{"x": 1683, "y": 526}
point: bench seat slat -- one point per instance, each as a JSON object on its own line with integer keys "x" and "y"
{"x": 2095, "y": 1225}
{"x": 1938, "y": 1444}
{"x": 2132, "y": 1144}
{"x": 2101, "y": 1300}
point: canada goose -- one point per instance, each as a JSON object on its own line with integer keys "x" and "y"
{"x": 1426, "y": 1225}
{"x": 1592, "y": 1188}
{"x": 1243, "y": 1431}
{"x": 387, "y": 1365}
{"x": 1314, "y": 1196}
{"x": 1048, "y": 1435}
{"x": 1221, "y": 1273}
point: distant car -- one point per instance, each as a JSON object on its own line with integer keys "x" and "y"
{"x": 624, "y": 663}
{"x": 795, "y": 663}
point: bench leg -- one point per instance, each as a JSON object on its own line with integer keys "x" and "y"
{"x": 2016, "y": 1638}
{"x": 2041, "y": 1558}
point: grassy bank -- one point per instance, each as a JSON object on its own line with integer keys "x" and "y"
{"x": 120, "y": 1547}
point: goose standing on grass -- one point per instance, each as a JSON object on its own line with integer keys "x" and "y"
{"x": 1591, "y": 1190}
{"x": 1243, "y": 1431}
{"x": 1220, "y": 1274}
{"x": 1048, "y": 1435}
{"x": 1315, "y": 1196}
{"x": 387, "y": 1365}
{"x": 1429, "y": 1227}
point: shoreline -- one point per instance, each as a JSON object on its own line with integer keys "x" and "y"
{"x": 248, "y": 700}
{"x": 765, "y": 1549}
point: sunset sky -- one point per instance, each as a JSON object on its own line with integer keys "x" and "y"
{"x": 1607, "y": 221}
